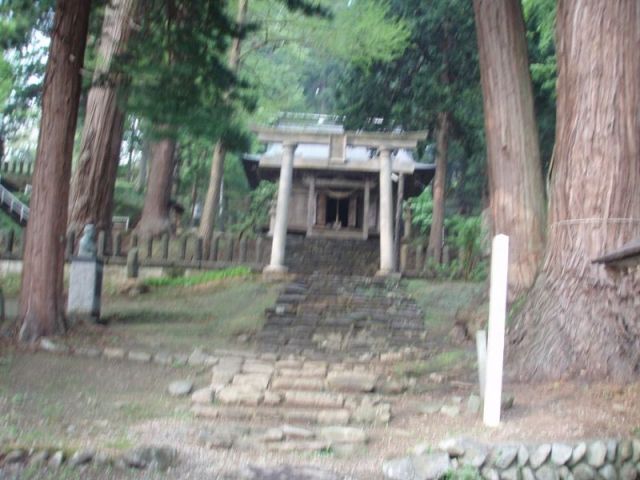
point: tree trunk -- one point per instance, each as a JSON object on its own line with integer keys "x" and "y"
{"x": 177, "y": 166}
{"x": 41, "y": 294}
{"x": 582, "y": 318}
{"x": 155, "y": 212}
{"x": 513, "y": 153}
{"x": 212, "y": 199}
{"x": 434, "y": 248}
{"x": 94, "y": 180}
{"x": 144, "y": 166}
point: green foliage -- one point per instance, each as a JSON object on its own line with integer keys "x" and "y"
{"x": 205, "y": 277}
{"x": 177, "y": 66}
{"x": 466, "y": 472}
{"x": 6, "y": 81}
{"x": 422, "y": 210}
{"x": 257, "y": 215}
{"x": 540, "y": 16}
{"x": 10, "y": 284}
{"x": 465, "y": 234}
{"x": 127, "y": 201}
{"x": 18, "y": 18}
{"x": 438, "y": 72}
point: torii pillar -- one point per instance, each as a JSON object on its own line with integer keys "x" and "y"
{"x": 386, "y": 214}
{"x": 276, "y": 265}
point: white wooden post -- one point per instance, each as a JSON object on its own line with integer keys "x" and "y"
{"x": 481, "y": 349}
{"x": 495, "y": 342}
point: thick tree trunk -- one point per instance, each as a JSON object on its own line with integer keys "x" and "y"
{"x": 513, "y": 153}
{"x": 41, "y": 294}
{"x": 94, "y": 180}
{"x": 434, "y": 248}
{"x": 582, "y": 318}
{"x": 212, "y": 199}
{"x": 155, "y": 212}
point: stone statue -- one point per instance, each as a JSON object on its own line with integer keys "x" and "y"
{"x": 87, "y": 246}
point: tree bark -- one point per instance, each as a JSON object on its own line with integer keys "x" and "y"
{"x": 212, "y": 199}
{"x": 434, "y": 248}
{"x": 94, "y": 180}
{"x": 144, "y": 166}
{"x": 41, "y": 293}
{"x": 513, "y": 153}
{"x": 582, "y": 318}
{"x": 155, "y": 212}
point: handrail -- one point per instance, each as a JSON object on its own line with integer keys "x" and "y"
{"x": 15, "y": 205}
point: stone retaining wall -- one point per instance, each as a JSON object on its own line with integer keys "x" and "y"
{"x": 598, "y": 459}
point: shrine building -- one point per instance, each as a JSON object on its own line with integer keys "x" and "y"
{"x": 338, "y": 184}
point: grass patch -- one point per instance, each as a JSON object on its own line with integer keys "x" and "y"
{"x": 440, "y": 300}
{"x": 121, "y": 442}
{"x": 179, "y": 319}
{"x": 205, "y": 277}
{"x": 446, "y": 360}
{"x": 10, "y": 284}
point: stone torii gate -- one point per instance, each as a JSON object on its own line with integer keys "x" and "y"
{"x": 381, "y": 142}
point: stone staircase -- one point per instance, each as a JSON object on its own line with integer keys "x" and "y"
{"x": 298, "y": 391}
{"x": 342, "y": 316}
{"x": 332, "y": 256}
{"x": 325, "y": 356}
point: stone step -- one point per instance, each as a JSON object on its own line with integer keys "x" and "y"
{"x": 363, "y": 415}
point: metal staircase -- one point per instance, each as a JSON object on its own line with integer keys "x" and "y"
{"x": 12, "y": 205}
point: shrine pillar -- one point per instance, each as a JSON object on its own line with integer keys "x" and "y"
{"x": 386, "y": 214}
{"x": 276, "y": 265}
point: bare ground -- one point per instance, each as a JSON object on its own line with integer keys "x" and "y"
{"x": 109, "y": 405}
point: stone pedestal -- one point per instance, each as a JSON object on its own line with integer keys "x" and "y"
{"x": 85, "y": 289}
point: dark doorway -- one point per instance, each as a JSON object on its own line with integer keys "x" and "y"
{"x": 338, "y": 209}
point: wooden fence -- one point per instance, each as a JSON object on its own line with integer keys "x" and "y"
{"x": 188, "y": 251}
{"x": 183, "y": 252}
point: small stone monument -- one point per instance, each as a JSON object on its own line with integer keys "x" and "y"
{"x": 85, "y": 281}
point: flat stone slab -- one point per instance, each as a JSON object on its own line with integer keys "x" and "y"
{"x": 295, "y": 383}
{"x": 286, "y": 472}
{"x": 240, "y": 395}
{"x": 257, "y": 380}
{"x": 139, "y": 356}
{"x": 256, "y": 366}
{"x": 340, "y": 434}
{"x": 180, "y": 388}
{"x": 313, "y": 399}
{"x": 114, "y": 353}
{"x": 357, "y": 382}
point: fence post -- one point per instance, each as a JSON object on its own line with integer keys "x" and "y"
{"x": 215, "y": 246}
{"x": 165, "y": 245}
{"x": 117, "y": 244}
{"x": 149, "y": 247}
{"x": 71, "y": 243}
{"x": 133, "y": 263}
{"x": 183, "y": 247}
{"x": 10, "y": 238}
{"x": 199, "y": 247}
{"x": 404, "y": 254}
{"x": 229, "y": 248}
{"x": 242, "y": 253}
{"x": 419, "y": 261}
{"x": 258, "y": 253}
{"x": 102, "y": 244}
